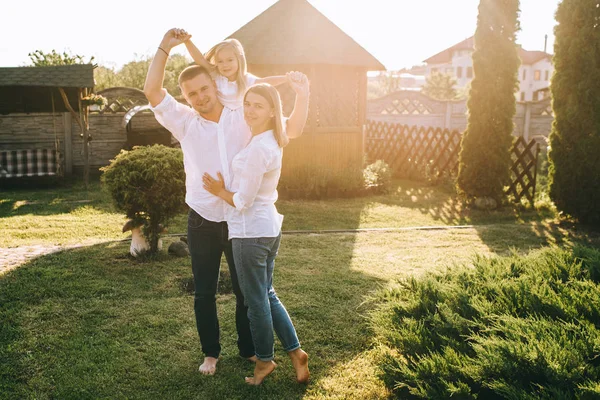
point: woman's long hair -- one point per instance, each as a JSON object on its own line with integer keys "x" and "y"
{"x": 271, "y": 94}
{"x": 238, "y": 50}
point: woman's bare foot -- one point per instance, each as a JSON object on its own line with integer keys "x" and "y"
{"x": 252, "y": 359}
{"x": 261, "y": 371}
{"x": 209, "y": 366}
{"x": 300, "y": 363}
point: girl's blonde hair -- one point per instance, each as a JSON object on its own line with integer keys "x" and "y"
{"x": 238, "y": 50}
{"x": 272, "y": 96}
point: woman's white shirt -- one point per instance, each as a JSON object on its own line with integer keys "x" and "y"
{"x": 256, "y": 171}
{"x": 228, "y": 91}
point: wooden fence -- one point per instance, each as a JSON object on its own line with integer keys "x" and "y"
{"x": 428, "y": 153}
{"x": 533, "y": 119}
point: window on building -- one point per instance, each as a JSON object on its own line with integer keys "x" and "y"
{"x": 524, "y": 74}
{"x": 469, "y": 72}
{"x": 547, "y": 77}
{"x": 522, "y": 96}
{"x": 537, "y": 75}
{"x": 434, "y": 70}
{"x": 459, "y": 72}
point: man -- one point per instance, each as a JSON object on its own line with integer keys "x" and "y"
{"x": 210, "y": 136}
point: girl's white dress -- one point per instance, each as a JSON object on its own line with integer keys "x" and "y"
{"x": 228, "y": 91}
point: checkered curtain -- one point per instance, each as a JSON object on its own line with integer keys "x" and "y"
{"x": 36, "y": 162}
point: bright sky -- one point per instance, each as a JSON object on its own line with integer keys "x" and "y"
{"x": 400, "y": 33}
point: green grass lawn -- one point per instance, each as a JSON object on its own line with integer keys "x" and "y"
{"x": 94, "y": 323}
{"x": 72, "y": 215}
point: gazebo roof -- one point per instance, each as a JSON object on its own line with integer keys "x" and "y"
{"x": 78, "y": 76}
{"x": 35, "y": 89}
{"x": 294, "y": 32}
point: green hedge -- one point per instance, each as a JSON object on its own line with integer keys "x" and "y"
{"x": 484, "y": 160}
{"x": 509, "y": 328}
{"x": 574, "y": 171}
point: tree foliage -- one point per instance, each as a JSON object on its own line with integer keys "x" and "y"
{"x": 440, "y": 87}
{"x": 40, "y": 59}
{"x": 148, "y": 184}
{"x": 574, "y": 170}
{"x": 485, "y": 147}
{"x": 133, "y": 74}
{"x": 385, "y": 83}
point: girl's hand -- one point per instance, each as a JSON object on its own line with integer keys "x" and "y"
{"x": 171, "y": 39}
{"x": 299, "y": 82}
{"x": 183, "y": 35}
{"x": 212, "y": 185}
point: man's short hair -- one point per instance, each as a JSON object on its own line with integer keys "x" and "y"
{"x": 191, "y": 72}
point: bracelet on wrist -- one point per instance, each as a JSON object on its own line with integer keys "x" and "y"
{"x": 160, "y": 48}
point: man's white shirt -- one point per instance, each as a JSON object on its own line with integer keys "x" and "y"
{"x": 207, "y": 147}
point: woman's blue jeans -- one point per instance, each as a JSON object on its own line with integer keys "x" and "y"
{"x": 254, "y": 263}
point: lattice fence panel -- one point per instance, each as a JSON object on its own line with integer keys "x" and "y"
{"x": 419, "y": 152}
{"x": 413, "y": 152}
{"x": 337, "y": 92}
{"x": 523, "y": 169}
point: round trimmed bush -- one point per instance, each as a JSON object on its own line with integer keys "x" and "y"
{"x": 148, "y": 185}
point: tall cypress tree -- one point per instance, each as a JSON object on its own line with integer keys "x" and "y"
{"x": 574, "y": 170}
{"x": 484, "y": 167}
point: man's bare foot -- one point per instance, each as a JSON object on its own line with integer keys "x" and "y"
{"x": 252, "y": 359}
{"x": 209, "y": 366}
{"x": 300, "y": 363}
{"x": 261, "y": 371}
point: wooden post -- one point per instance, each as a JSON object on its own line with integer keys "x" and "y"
{"x": 67, "y": 123}
{"x": 448, "y": 117}
{"x": 314, "y": 98}
{"x": 527, "y": 121}
{"x": 362, "y": 109}
{"x": 84, "y": 131}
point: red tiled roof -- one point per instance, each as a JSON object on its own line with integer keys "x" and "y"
{"x": 445, "y": 56}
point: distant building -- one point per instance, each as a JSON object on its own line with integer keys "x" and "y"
{"x": 534, "y": 73}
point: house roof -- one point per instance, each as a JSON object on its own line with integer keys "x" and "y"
{"x": 79, "y": 75}
{"x": 531, "y": 57}
{"x": 294, "y": 32}
{"x": 445, "y": 56}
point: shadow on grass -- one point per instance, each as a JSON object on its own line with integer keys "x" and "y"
{"x": 93, "y": 323}
{"x": 52, "y": 198}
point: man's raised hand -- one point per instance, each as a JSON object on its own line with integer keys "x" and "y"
{"x": 174, "y": 37}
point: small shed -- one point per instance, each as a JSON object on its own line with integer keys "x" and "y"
{"x": 294, "y": 35}
{"x": 37, "y": 105}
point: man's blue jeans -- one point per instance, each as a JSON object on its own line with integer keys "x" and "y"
{"x": 208, "y": 241}
{"x": 254, "y": 262}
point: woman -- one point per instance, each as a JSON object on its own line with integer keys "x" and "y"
{"x": 255, "y": 225}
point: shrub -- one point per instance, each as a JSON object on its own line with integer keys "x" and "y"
{"x": 378, "y": 176}
{"x": 512, "y": 327}
{"x": 484, "y": 160}
{"x": 574, "y": 171}
{"x": 148, "y": 184}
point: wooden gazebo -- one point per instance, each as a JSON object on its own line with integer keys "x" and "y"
{"x": 293, "y": 35}
{"x": 32, "y": 146}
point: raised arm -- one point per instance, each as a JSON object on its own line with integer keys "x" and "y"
{"x": 196, "y": 54}
{"x": 153, "y": 87}
{"x": 297, "y": 120}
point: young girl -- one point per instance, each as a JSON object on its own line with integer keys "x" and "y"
{"x": 227, "y": 62}
{"x": 255, "y": 225}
